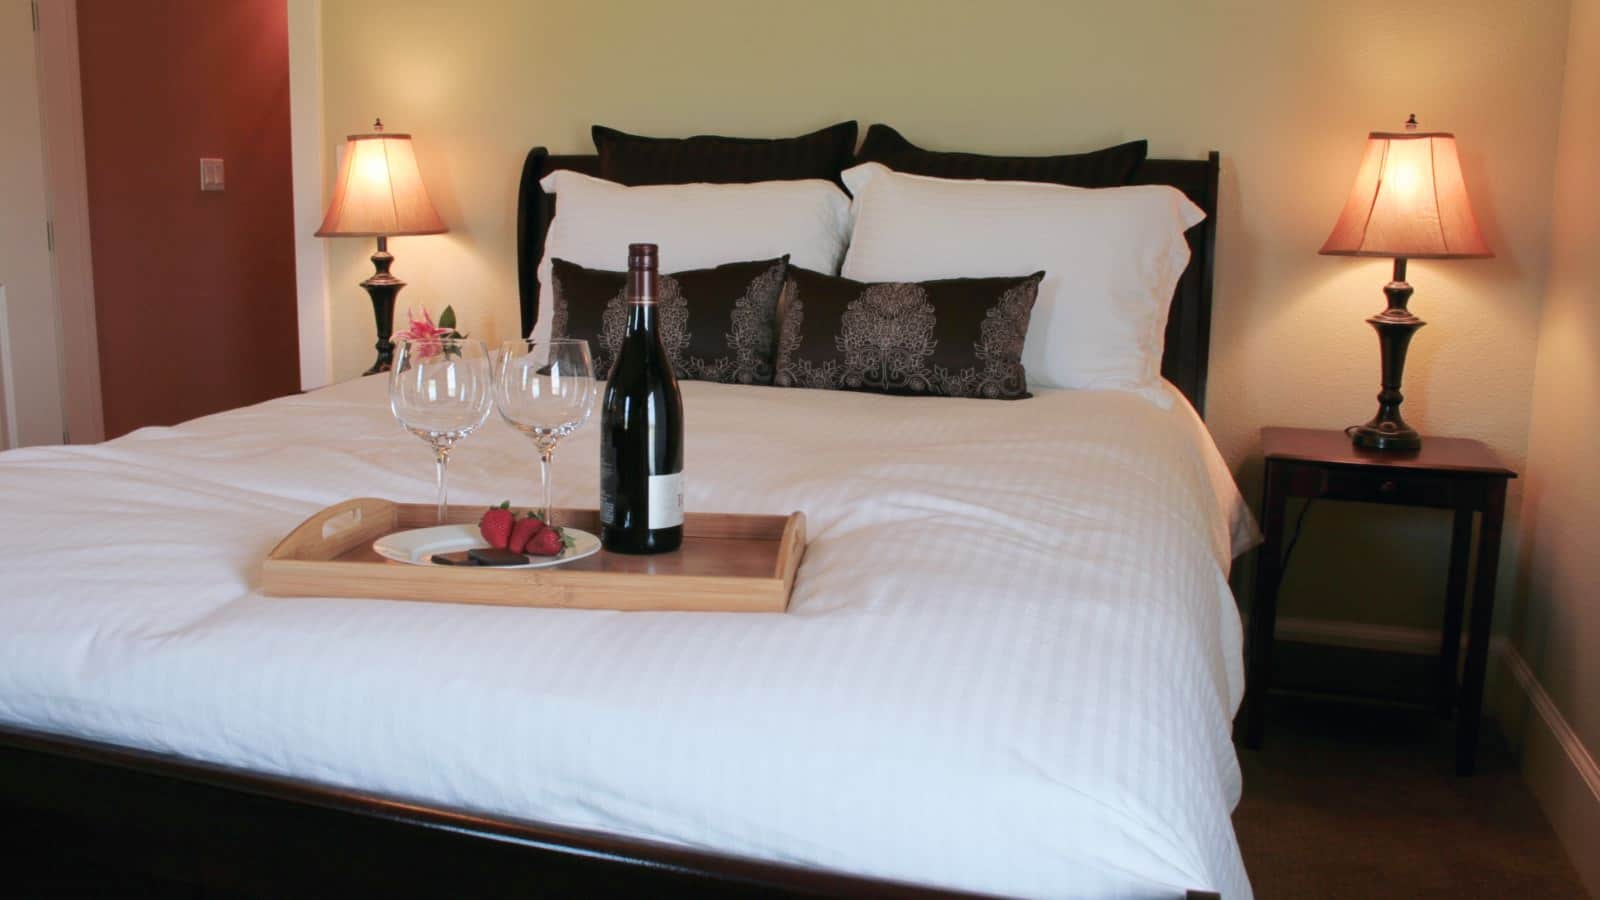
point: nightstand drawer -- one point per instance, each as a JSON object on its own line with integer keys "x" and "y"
{"x": 1379, "y": 486}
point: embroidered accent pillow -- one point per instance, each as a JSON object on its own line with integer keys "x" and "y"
{"x": 717, "y": 324}
{"x": 957, "y": 337}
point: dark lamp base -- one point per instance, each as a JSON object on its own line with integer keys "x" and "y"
{"x": 382, "y": 287}
{"x": 1387, "y": 430}
{"x": 1384, "y": 436}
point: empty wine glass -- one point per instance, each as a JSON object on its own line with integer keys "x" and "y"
{"x": 546, "y": 390}
{"x": 441, "y": 389}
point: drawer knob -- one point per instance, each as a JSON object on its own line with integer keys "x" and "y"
{"x": 1388, "y": 487}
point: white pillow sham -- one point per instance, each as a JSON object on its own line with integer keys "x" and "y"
{"x": 1112, "y": 258}
{"x": 696, "y": 225}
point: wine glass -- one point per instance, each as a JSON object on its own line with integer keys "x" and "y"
{"x": 440, "y": 389}
{"x": 546, "y": 390}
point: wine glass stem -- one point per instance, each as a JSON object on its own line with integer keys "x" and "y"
{"x": 441, "y": 455}
{"x": 544, "y": 480}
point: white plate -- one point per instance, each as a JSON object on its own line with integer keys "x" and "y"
{"x": 418, "y": 546}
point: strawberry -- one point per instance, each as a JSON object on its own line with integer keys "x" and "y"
{"x": 524, "y": 530}
{"x": 495, "y": 526}
{"x": 545, "y": 542}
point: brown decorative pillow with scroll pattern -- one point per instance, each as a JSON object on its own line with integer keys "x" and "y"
{"x": 717, "y": 324}
{"x": 956, "y": 337}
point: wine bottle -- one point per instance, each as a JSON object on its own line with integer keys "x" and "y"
{"x": 641, "y": 428}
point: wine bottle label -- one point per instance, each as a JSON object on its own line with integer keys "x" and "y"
{"x": 608, "y": 492}
{"x": 666, "y": 500}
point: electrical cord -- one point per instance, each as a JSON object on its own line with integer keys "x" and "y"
{"x": 1294, "y": 538}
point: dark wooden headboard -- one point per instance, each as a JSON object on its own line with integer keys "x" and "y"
{"x": 1188, "y": 347}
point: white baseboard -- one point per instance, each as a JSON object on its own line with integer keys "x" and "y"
{"x": 1388, "y": 638}
{"x": 1560, "y": 771}
{"x": 1558, "y": 768}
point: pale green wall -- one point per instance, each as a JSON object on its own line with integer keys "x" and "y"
{"x": 1286, "y": 90}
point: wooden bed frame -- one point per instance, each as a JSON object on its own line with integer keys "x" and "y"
{"x": 263, "y": 835}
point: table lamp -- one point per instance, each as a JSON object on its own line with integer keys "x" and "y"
{"x": 380, "y": 194}
{"x": 1409, "y": 202}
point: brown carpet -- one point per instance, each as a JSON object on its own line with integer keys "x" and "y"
{"x": 1347, "y": 800}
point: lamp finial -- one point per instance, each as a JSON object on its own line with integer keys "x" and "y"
{"x": 1411, "y": 122}
{"x": 377, "y": 124}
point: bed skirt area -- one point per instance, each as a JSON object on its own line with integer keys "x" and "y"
{"x": 269, "y": 836}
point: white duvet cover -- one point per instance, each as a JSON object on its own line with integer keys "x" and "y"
{"x": 1010, "y": 663}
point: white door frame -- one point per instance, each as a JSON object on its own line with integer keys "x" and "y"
{"x": 8, "y": 397}
{"x": 34, "y": 352}
{"x": 309, "y": 159}
{"x": 67, "y": 187}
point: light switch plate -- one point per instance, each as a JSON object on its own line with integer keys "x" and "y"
{"x": 210, "y": 174}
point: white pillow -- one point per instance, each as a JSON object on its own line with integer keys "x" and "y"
{"x": 1112, "y": 258}
{"x": 696, "y": 225}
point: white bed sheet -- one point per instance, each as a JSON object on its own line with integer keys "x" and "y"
{"x": 1010, "y": 664}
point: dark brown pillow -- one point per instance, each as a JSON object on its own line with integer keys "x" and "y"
{"x": 957, "y": 337}
{"x": 717, "y": 324}
{"x": 1111, "y": 167}
{"x": 631, "y": 159}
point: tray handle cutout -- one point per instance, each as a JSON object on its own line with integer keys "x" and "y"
{"x": 341, "y": 522}
{"x": 337, "y": 529}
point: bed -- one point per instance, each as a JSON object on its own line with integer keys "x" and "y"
{"x": 981, "y": 686}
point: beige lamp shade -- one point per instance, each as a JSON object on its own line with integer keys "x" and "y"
{"x": 1409, "y": 201}
{"x": 380, "y": 191}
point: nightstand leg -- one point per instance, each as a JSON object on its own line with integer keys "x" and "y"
{"x": 1470, "y": 716}
{"x": 1264, "y": 608}
{"x": 1455, "y": 600}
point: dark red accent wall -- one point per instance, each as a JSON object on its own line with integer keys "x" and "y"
{"x": 194, "y": 291}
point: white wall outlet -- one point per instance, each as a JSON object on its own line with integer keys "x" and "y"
{"x": 210, "y": 174}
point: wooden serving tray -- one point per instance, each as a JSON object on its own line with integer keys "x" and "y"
{"x": 728, "y": 563}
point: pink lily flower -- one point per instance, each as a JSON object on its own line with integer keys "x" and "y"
{"x": 424, "y": 335}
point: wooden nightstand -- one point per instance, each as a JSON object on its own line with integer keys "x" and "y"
{"x": 1448, "y": 473}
